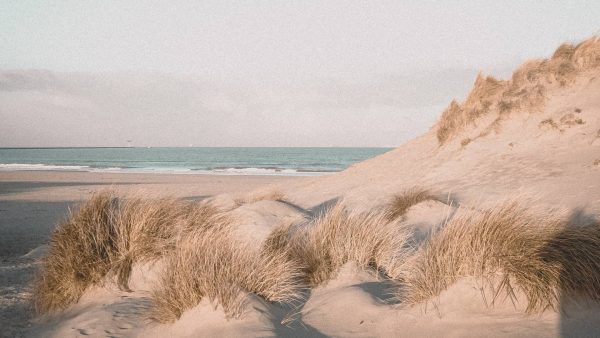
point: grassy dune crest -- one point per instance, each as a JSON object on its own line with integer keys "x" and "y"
{"x": 525, "y": 91}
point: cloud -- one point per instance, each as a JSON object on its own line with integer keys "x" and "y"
{"x": 43, "y": 108}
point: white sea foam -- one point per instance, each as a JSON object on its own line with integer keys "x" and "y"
{"x": 264, "y": 172}
{"x": 160, "y": 170}
{"x": 37, "y": 166}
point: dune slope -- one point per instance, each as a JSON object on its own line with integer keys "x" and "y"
{"x": 539, "y": 142}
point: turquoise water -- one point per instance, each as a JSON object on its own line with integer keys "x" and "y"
{"x": 235, "y": 161}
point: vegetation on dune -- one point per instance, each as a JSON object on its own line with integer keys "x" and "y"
{"x": 400, "y": 204}
{"x": 545, "y": 258}
{"x": 107, "y": 235}
{"x": 102, "y": 239}
{"x": 337, "y": 237}
{"x": 571, "y": 120}
{"x": 209, "y": 262}
{"x": 271, "y": 195}
{"x": 525, "y": 91}
{"x": 478, "y": 103}
{"x": 549, "y": 122}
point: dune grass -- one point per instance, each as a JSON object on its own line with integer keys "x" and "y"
{"x": 103, "y": 239}
{"x": 209, "y": 262}
{"x": 338, "y": 237}
{"x": 543, "y": 258}
{"x": 400, "y": 203}
{"x": 510, "y": 250}
{"x": 525, "y": 91}
{"x": 570, "y": 120}
{"x": 549, "y": 122}
{"x": 146, "y": 229}
{"x": 270, "y": 195}
{"x": 107, "y": 235}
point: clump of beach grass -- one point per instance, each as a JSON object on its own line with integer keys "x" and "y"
{"x": 570, "y": 120}
{"x": 543, "y": 258}
{"x": 337, "y": 237}
{"x": 509, "y": 249}
{"x": 103, "y": 238}
{"x": 108, "y": 235}
{"x": 209, "y": 263}
{"x": 400, "y": 203}
{"x": 270, "y": 195}
{"x": 549, "y": 122}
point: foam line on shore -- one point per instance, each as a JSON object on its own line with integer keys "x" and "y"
{"x": 163, "y": 170}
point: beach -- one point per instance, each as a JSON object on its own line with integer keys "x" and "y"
{"x": 32, "y": 203}
{"x": 485, "y": 225}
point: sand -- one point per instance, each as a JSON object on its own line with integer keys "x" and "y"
{"x": 547, "y": 167}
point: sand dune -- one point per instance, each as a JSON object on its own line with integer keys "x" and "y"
{"x": 546, "y": 148}
{"x": 505, "y": 243}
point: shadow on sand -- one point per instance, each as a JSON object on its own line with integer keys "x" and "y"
{"x": 579, "y": 312}
{"x": 26, "y": 186}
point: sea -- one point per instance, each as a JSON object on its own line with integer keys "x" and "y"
{"x": 200, "y": 160}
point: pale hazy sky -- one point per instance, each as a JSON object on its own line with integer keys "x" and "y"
{"x": 289, "y": 64}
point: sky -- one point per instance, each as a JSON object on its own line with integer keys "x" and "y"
{"x": 258, "y": 73}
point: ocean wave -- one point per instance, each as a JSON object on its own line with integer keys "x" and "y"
{"x": 250, "y": 171}
{"x": 262, "y": 172}
{"x": 39, "y": 166}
